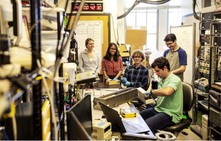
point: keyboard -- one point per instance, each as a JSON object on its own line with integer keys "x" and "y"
{"x": 205, "y": 102}
{"x": 132, "y": 127}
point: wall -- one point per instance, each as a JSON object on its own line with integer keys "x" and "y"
{"x": 120, "y": 22}
{"x": 163, "y": 28}
{"x": 186, "y": 7}
{"x": 115, "y": 7}
{"x": 110, "y": 6}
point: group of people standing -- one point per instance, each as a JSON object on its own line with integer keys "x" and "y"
{"x": 170, "y": 68}
{"x": 135, "y": 75}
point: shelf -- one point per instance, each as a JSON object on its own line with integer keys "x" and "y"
{"x": 203, "y": 105}
{"x": 204, "y": 34}
{"x": 216, "y": 87}
{"x": 51, "y": 32}
{"x": 216, "y": 130}
{"x": 201, "y": 93}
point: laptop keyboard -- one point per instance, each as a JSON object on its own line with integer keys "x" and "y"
{"x": 132, "y": 127}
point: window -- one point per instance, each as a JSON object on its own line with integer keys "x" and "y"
{"x": 148, "y": 15}
{"x": 130, "y": 19}
{"x": 174, "y": 18}
{"x": 144, "y": 17}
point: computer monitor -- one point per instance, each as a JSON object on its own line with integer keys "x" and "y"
{"x": 82, "y": 110}
{"x": 77, "y": 131}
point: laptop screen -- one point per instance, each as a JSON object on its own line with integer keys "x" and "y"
{"x": 112, "y": 116}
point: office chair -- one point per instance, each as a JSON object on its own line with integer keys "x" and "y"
{"x": 188, "y": 97}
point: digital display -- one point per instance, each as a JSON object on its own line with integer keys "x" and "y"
{"x": 107, "y": 128}
{"x": 88, "y": 6}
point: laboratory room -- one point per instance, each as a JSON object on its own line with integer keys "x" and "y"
{"x": 110, "y": 70}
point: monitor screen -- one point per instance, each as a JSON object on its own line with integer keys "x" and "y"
{"x": 82, "y": 110}
{"x": 77, "y": 131}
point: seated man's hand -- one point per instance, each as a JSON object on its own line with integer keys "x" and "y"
{"x": 114, "y": 79}
{"x": 149, "y": 105}
{"x": 127, "y": 83}
{"x": 124, "y": 79}
{"x": 148, "y": 93}
{"x": 152, "y": 104}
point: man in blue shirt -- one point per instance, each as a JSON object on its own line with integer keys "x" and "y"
{"x": 169, "y": 105}
{"x": 136, "y": 75}
{"x": 175, "y": 55}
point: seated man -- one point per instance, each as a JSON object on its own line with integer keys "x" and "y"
{"x": 136, "y": 75}
{"x": 169, "y": 105}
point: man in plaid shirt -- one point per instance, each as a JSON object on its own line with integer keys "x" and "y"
{"x": 136, "y": 75}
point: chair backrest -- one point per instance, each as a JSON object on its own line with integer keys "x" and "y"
{"x": 188, "y": 96}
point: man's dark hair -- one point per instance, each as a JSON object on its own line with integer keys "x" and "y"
{"x": 170, "y": 37}
{"x": 108, "y": 54}
{"x": 160, "y": 63}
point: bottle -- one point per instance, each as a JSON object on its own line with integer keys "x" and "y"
{"x": 154, "y": 81}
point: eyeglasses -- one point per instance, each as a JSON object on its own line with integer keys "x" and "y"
{"x": 137, "y": 56}
{"x": 169, "y": 44}
{"x": 113, "y": 48}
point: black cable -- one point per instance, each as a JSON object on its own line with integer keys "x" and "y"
{"x": 194, "y": 12}
{"x": 59, "y": 32}
{"x": 62, "y": 49}
{"x": 128, "y": 11}
{"x": 156, "y": 2}
{"x": 72, "y": 31}
{"x": 58, "y": 56}
{"x": 69, "y": 18}
{"x": 61, "y": 104}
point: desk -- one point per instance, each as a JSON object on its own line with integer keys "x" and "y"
{"x": 98, "y": 90}
{"x": 97, "y": 114}
{"x": 103, "y": 85}
{"x": 216, "y": 87}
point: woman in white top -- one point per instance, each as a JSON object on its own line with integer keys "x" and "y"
{"x": 89, "y": 60}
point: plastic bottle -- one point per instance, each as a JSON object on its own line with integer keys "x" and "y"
{"x": 154, "y": 81}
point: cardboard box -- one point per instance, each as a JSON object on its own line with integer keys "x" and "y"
{"x": 136, "y": 36}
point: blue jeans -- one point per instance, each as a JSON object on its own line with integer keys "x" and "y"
{"x": 156, "y": 120}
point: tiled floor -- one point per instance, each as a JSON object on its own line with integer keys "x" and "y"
{"x": 191, "y": 135}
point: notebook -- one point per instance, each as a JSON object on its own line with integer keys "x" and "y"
{"x": 123, "y": 126}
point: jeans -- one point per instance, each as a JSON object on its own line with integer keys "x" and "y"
{"x": 156, "y": 120}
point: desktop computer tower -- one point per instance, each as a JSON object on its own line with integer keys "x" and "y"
{"x": 204, "y": 127}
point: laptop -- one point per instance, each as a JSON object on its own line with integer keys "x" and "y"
{"x": 123, "y": 126}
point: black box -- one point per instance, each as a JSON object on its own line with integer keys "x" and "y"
{"x": 24, "y": 122}
{"x": 205, "y": 25}
{"x": 214, "y": 116}
{"x": 215, "y": 98}
{"x": 207, "y": 16}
